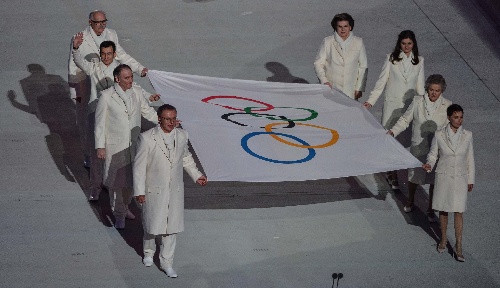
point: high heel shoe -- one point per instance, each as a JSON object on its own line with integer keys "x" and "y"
{"x": 407, "y": 208}
{"x": 440, "y": 248}
{"x": 458, "y": 257}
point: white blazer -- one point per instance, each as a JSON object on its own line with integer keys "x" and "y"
{"x": 117, "y": 130}
{"x": 89, "y": 49}
{"x": 346, "y": 72}
{"x": 400, "y": 88}
{"x": 454, "y": 171}
{"x": 160, "y": 178}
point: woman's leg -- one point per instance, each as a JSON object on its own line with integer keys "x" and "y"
{"x": 443, "y": 223}
{"x": 459, "y": 226}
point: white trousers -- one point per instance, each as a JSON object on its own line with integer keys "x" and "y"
{"x": 167, "y": 248}
{"x": 119, "y": 199}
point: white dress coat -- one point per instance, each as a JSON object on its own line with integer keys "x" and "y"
{"x": 346, "y": 72}
{"x": 89, "y": 49}
{"x": 400, "y": 88}
{"x": 422, "y": 132}
{"x": 117, "y": 130}
{"x": 160, "y": 179}
{"x": 454, "y": 171}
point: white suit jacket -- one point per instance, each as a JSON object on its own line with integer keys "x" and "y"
{"x": 89, "y": 49}
{"x": 117, "y": 129}
{"x": 347, "y": 73}
{"x": 452, "y": 162}
{"x": 160, "y": 178}
{"x": 399, "y": 88}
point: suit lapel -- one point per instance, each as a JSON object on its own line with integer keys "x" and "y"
{"x": 159, "y": 141}
{"x": 444, "y": 134}
{"x": 89, "y": 40}
{"x": 339, "y": 50}
{"x": 118, "y": 100}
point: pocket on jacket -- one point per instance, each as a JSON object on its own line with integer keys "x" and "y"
{"x": 154, "y": 190}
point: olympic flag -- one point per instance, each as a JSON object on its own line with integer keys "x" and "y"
{"x": 255, "y": 131}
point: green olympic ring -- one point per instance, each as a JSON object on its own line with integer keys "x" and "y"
{"x": 314, "y": 114}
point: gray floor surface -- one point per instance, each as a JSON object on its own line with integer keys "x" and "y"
{"x": 239, "y": 234}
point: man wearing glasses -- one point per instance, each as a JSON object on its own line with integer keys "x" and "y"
{"x": 117, "y": 127}
{"x": 162, "y": 154}
{"x": 79, "y": 82}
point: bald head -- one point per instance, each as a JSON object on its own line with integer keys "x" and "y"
{"x": 97, "y": 21}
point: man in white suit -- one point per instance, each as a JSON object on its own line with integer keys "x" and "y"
{"x": 341, "y": 60}
{"x": 158, "y": 185}
{"x": 117, "y": 127}
{"x": 79, "y": 82}
{"x": 100, "y": 71}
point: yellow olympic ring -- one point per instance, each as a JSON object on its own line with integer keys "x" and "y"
{"x": 335, "y": 135}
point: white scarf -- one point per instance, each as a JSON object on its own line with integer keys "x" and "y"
{"x": 406, "y": 62}
{"x": 430, "y": 107}
{"x": 343, "y": 43}
{"x": 126, "y": 96}
{"x": 98, "y": 39}
{"x": 106, "y": 82}
{"x": 169, "y": 140}
{"x": 453, "y": 137}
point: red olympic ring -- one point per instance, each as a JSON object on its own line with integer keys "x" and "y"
{"x": 267, "y": 108}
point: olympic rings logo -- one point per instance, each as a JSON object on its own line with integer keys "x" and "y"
{"x": 290, "y": 123}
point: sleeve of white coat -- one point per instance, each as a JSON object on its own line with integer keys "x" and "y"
{"x": 125, "y": 58}
{"x": 362, "y": 69}
{"x": 86, "y": 66}
{"x": 140, "y": 166}
{"x": 405, "y": 120}
{"x": 100, "y": 122}
{"x": 381, "y": 82}
{"x": 470, "y": 163}
{"x": 320, "y": 62}
{"x": 189, "y": 164}
{"x": 147, "y": 111}
{"x": 433, "y": 155}
{"x": 144, "y": 93}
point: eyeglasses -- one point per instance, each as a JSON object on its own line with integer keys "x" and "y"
{"x": 103, "y": 22}
{"x": 168, "y": 119}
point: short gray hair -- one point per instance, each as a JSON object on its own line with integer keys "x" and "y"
{"x": 435, "y": 79}
{"x": 91, "y": 14}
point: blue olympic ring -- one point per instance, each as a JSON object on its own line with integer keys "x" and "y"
{"x": 244, "y": 144}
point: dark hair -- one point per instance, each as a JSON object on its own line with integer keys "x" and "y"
{"x": 397, "y": 50}
{"x": 118, "y": 70}
{"x": 454, "y": 108}
{"x": 435, "y": 79}
{"x": 106, "y": 44}
{"x": 342, "y": 17}
{"x": 165, "y": 107}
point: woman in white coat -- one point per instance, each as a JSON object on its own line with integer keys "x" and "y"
{"x": 455, "y": 174}
{"x": 341, "y": 59}
{"x": 428, "y": 114}
{"x": 402, "y": 77}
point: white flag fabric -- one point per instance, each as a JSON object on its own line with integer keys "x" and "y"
{"x": 256, "y": 131}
